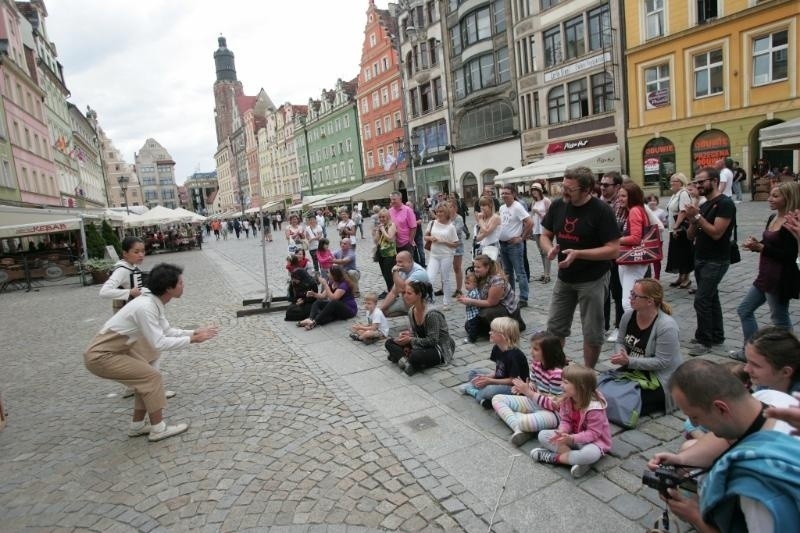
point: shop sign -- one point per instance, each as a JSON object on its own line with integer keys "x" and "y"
{"x": 574, "y": 68}
{"x": 709, "y": 147}
{"x": 652, "y": 165}
{"x": 41, "y": 228}
{"x": 659, "y": 98}
{"x": 577, "y": 144}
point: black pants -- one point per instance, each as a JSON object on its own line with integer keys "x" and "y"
{"x": 386, "y": 264}
{"x": 418, "y": 358}
{"x": 525, "y": 262}
{"x": 323, "y": 312}
{"x": 615, "y": 292}
{"x": 475, "y": 327}
{"x": 314, "y": 259}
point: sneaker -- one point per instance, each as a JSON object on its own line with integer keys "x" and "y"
{"x": 523, "y": 303}
{"x": 467, "y": 340}
{"x": 579, "y": 470}
{"x": 170, "y": 393}
{"x": 162, "y": 431}
{"x": 402, "y": 363}
{"x": 486, "y": 403}
{"x": 354, "y": 336}
{"x": 463, "y": 388}
{"x": 520, "y": 437}
{"x": 543, "y": 455}
{"x": 440, "y": 292}
{"x": 612, "y": 337}
{"x": 409, "y": 370}
{"x": 737, "y": 355}
{"x": 700, "y": 349}
{"x": 137, "y": 429}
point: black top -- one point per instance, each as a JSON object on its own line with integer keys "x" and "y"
{"x": 720, "y": 249}
{"x": 590, "y": 225}
{"x": 510, "y": 363}
{"x": 635, "y": 339}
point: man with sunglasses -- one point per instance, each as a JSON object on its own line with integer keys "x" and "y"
{"x": 711, "y": 228}
{"x": 588, "y": 241}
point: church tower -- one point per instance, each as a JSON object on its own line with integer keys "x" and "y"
{"x": 226, "y": 89}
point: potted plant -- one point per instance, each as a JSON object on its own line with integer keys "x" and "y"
{"x": 100, "y": 269}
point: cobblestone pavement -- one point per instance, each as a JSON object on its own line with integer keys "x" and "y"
{"x": 294, "y": 430}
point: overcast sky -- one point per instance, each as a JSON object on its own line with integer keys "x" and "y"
{"x": 147, "y": 66}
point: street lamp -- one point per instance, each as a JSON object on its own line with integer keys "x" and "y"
{"x": 123, "y": 184}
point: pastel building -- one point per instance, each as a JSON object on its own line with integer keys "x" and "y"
{"x": 156, "y": 171}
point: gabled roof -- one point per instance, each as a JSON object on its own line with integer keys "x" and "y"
{"x": 244, "y": 103}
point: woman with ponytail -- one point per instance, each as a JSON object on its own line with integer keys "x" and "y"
{"x": 648, "y": 347}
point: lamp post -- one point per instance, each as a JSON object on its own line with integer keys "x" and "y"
{"x": 308, "y": 156}
{"x": 123, "y": 184}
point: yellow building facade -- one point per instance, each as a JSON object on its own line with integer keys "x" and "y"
{"x": 703, "y": 78}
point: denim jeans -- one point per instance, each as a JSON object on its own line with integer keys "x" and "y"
{"x": 488, "y": 392}
{"x": 755, "y": 298}
{"x": 710, "y": 327}
{"x": 511, "y": 256}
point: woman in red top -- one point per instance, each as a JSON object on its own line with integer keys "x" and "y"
{"x": 632, "y": 197}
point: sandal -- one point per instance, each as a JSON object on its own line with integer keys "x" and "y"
{"x": 686, "y": 284}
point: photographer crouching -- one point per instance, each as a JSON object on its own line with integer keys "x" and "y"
{"x": 753, "y": 464}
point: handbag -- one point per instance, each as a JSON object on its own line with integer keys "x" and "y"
{"x": 648, "y": 251}
{"x": 376, "y": 254}
{"x": 623, "y": 398}
{"x": 736, "y": 255}
{"x": 427, "y": 233}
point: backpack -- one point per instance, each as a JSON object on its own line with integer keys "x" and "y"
{"x": 623, "y": 398}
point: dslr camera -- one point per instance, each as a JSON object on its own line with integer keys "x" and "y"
{"x": 668, "y": 477}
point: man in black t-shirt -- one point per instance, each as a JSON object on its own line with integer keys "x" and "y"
{"x": 588, "y": 240}
{"x": 711, "y": 228}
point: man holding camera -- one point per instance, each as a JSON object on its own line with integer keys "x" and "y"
{"x": 753, "y": 464}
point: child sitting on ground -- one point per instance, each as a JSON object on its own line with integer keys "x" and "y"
{"x": 509, "y": 361}
{"x": 472, "y": 324}
{"x": 376, "y": 328}
{"x": 583, "y": 435}
{"x": 532, "y": 405}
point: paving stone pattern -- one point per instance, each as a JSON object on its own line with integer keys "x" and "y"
{"x": 294, "y": 430}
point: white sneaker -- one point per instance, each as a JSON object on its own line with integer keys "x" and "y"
{"x": 162, "y": 431}
{"x": 520, "y": 437}
{"x": 613, "y": 335}
{"x": 579, "y": 470}
{"x": 170, "y": 393}
{"x": 137, "y": 429}
{"x": 466, "y": 340}
{"x": 463, "y": 388}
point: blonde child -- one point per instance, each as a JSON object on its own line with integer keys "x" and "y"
{"x": 509, "y": 361}
{"x": 472, "y": 325}
{"x": 376, "y": 328}
{"x": 583, "y": 435}
{"x": 532, "y": 405}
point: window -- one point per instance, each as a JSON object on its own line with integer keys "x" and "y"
{"x": 385, "y": 95}
{"x": 706, "y": 11}
{"x": 477, "y": 74}
{"x": 6, "y": 179}
{"x": 492, "y": 121}
{"x": 523, "y": 9}
{"x": 556, "y": 105}
{"x": 426, "y": 99}
{"x": 432, "y": 52}
{"x": 395, "y": 90}
{"x": 657, "y": 78}
{"x": 364, "y": 105}
{"x": 552, "y": 46}
{"x": 546, "y": 4}
{"x": 346, "y": 120}
{"x": 438, "y": 94}
{"x": 385, "y": 62}
{"x": 376, "y": 100}
{"x": 387, "y": 123}
{"x": 378, "y": 128}
{"x": 367, "y": 132}
{"x": 348, "y": 145}
{"x": 397, "y": 122}
{"x": 574, "y": 37}
{"x": 503, "y": 70}
{"x": 654, "y": 18}
{"x": 708, "y": 73}
{"x": 599, "y": 28}
{"x": 430, "y": 138}
{"x": 578, "y": 99}
{"x": 602, "y": 92}
{"x": 381, "y": 159}
{"x": 526, "y": 111}
{"x": 413, "y": 95}
{"x": 770, "y": 55}
{"x": 455, "y": 40}
{"x": 372, "y": 39}
{"x": 476, "y": 26}
{"x": 499, "y": 13}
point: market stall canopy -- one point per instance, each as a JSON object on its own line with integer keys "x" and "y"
{"x": 194, "y": 217}
{"x": 600, "y": 159}
{"x": 22, "y": 221}
{"x": 783, "y": 136}
{"x": 272, "y": 205}
{"x": 309, "y": 201}
{"x": 157, "y": 215}
{"x": 373, "y": 190}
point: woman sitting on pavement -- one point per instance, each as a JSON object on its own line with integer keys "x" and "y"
{"x": 497, "y": 297}
{"x": 427, "y": 342}
{"x": 648, "y": 347}
{"x": 300, "y": 284}
{"x": 334, "y": 302}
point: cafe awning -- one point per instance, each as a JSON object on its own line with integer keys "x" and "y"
{"x": 373, "y": 190}
{"x": 600, "y": 159}
{"x": 783, "y": 136}
{"x": 23, "y": 221}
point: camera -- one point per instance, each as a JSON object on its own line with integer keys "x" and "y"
{"x": 668, "y": 477}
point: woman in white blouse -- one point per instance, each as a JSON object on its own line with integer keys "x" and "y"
{"x": 442, "y": 235}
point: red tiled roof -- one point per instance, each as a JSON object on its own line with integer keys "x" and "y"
{"x": 243, "y": 103}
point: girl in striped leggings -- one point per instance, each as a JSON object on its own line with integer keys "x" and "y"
{"x": 532, "y": 406}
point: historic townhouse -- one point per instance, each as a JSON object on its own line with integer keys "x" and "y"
{"x": 384, "y": 144}
{"x": 26, "y": 122}
{"x": 705, "y": 79}
{"x": 9, "y": 187}
{"x": 86, "y": 149}
{"x": 201, "y": 188}
{"x": 327, "y": 137}
{"x": 156, "y": 171}
{"x": 116, "y": 167}
{"x": 484, "y": 139}
{"x": 424, "y": 79}
{"x": 568, "y": 57}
